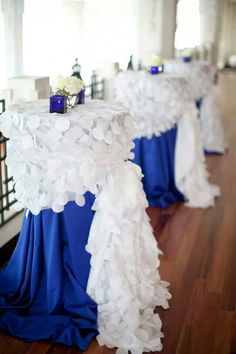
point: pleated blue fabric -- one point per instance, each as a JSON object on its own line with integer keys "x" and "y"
{"x": 156, "y": 157}
{"x": 43, "y": 288}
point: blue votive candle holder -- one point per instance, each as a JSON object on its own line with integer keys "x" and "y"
{"x": 187, "y": 59}
{"x": 58, "y": 104}
{"x": 81, "y": 97}
{"x": 154, "y": 70}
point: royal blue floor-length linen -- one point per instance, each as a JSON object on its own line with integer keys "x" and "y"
{"x": 43, "y": 288}
{"x": 156, "y": 157}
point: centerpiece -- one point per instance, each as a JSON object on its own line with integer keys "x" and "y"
{"x": 156, "y": 65}
{"x": 187, "y": 55}
{"x": 66, "y": 91}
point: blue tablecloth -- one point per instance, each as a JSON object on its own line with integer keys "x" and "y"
{"x": 156, "y": 157}
{"x": 43, "y": 289}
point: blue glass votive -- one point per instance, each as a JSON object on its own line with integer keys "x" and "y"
{"x": 187, "y": 59}
{"x": 58, "y": 104}
{"x": 198, "y": 103}
{"x": 81, "y": 97}
{"x": 154, "y": 70}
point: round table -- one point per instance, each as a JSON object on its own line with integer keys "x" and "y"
{"x": 86, "y": 261}
{"x": 201, "y": 76}
{"x": 168, "y": 141}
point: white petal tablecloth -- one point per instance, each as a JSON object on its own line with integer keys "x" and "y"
{"x": 200, "y": 76}
{"x": 157, "y": 103}
{"x": 56, "y": 158}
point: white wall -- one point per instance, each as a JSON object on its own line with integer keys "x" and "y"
{"x": 52, "y": 36}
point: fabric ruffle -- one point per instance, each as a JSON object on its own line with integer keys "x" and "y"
{"x": 123, "y": 279}
{"x": 212, "y": 127}
{"x": 191, "y": 175}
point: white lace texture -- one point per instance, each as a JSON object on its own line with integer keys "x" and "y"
{"x": 56, "y": 158}
{"x": 157, "y": 103}
{"x": 200, "y": 76}
{"x": 124, "y": 280}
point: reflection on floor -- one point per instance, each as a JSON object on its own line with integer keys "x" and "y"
{"x": 199, "y": 261}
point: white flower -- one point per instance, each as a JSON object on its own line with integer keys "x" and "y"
{"x": 58, "y": 84}
{"x": 155, "y": 60}
{"x": 70, "y": 85}
{"x": 187, "y": 53}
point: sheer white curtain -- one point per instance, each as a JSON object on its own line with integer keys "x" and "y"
{"x": 3, "y": 69}
{"x": 210, "y": 27}
{"x": 188, "y": 33}
{"x": 226, "y": 31}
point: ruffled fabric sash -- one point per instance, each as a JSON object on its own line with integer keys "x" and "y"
{"x": 124, "y": 280}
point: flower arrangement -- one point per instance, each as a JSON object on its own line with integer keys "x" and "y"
{"x": 187, "y": 55}
{"x": 67, "y": 86}
{"x": 156, "y": 64}
{"x": 156, "y": 60}
{"x": 66, "y": 93}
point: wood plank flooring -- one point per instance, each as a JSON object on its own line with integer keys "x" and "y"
{"x": 199, "y": 261}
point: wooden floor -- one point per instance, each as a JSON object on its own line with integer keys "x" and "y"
{"x": 199, "y": 261}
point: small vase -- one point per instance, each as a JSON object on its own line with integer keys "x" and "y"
{"x": 187, "y": 59}
{"x": 81, "y": 97}
{"x": 72, "y": 101}
{"x": 154, "y": 70}
{"x": 58, "y": 104}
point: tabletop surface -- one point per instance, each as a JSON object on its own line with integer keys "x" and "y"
{"x": 156, "y": 102}
{"x": 58, "y": 157}
{"x": 200, "y": 74}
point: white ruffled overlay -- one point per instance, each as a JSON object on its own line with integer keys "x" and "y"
{"x": 58, "y": 158}
{"x": 157, "y": 103}
{"x": 191, "y": 174}
{"x": 124, "y": 280}
{"x": 200, "y": 76}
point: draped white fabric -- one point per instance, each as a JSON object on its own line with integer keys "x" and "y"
{"x": 212, "y": 128}
{"x": 157, "y": 103}
{"x": 124, "y": 281}
{"x": 191, "y": 173}
{"x": 56, "y": 158}
{"x": 200, "y": 76}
